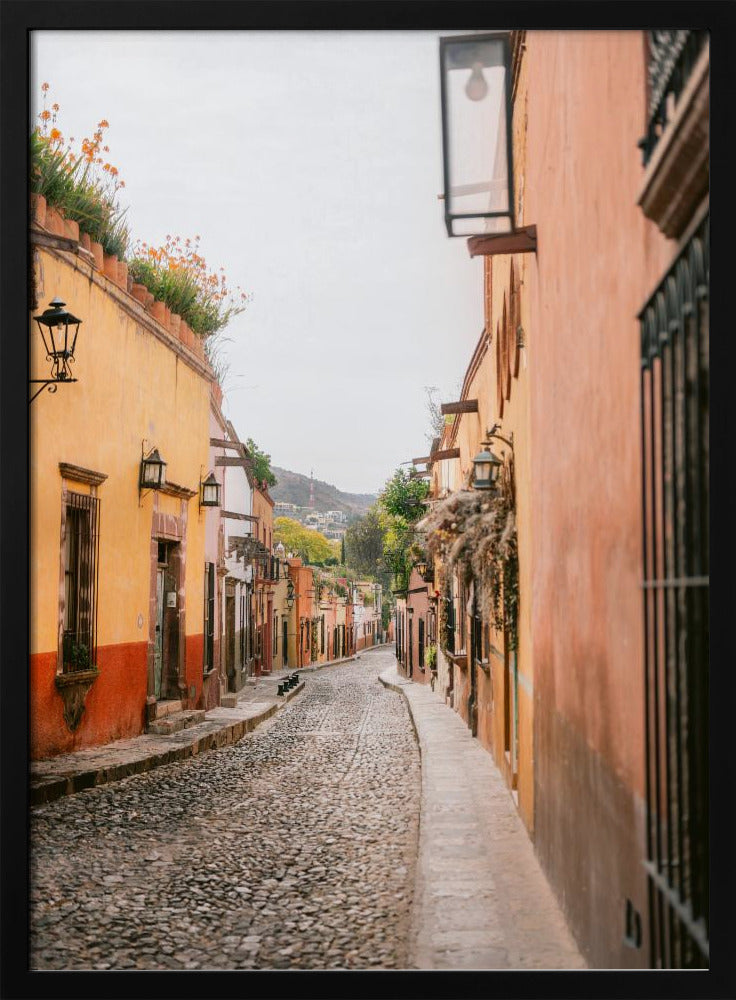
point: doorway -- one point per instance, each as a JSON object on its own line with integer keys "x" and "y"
{"x": 230, "y": 634}
{"x": 166, "y": 635}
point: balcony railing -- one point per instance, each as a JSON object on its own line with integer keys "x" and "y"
{"x": 672, "y": 55}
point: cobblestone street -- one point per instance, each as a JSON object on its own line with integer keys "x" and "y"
{"x": 293, "y": 849}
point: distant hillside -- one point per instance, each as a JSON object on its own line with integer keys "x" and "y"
{"x": 292, "y": 487}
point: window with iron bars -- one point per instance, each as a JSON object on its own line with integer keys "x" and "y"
{"x": 675, "y": 496}
{"x": 81, "y": 560}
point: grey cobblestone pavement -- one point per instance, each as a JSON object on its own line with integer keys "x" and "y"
{"x": 291, "y": 849}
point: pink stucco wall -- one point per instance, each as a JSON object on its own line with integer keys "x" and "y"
{"x": 597, "y": 259}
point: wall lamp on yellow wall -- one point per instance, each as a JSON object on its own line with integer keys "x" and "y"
{"x": 209, "y": 491}
{"x": 486, "y": 464}
{"x": 59, "y": 331}
{"x": 152, "y": 472}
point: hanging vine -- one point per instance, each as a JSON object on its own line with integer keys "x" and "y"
{"x": 474, "y": 533}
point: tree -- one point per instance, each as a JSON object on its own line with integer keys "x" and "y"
{"x": 364, "y": 543}
{"x": 342, "y": 550}
{"x": 311, "y": 545}
{"x": 436, "y": 417}
{"x": 261, "y": 464}
{"x": 404, "y": 496}
{"x": 401, "y": 504}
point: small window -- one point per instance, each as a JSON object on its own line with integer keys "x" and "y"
{"x": 81, "y": 556}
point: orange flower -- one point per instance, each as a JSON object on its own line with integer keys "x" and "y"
{"x": 103, "y": 124}
{"x": 45, "y": 115}
{"x": 55, "y": 107}
{"x": 55, "y": 135}
{"x": 44, "y": 87}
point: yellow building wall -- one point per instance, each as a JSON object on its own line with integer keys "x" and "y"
{"x": 133, "y": 385}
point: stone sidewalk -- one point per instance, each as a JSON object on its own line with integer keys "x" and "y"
{"x": 72, "y": 772}
{"x": 481, "y": 899}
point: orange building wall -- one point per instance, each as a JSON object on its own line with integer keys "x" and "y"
{"x": 114, "y": 708}
{"x": 597, "y": 258}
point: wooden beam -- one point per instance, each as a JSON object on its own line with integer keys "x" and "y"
{"x": 425, "y": 459}
{"x": 227, "y": 460}
{"x": 522, "y": 240}
{"x": 239, "y": 517}
{"x": 463, "y": 406}
{"x": 233, "y": 445}
{"x": 447, "y": 453}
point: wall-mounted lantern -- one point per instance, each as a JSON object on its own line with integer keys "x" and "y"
{"x": 477, "y": 160}
{"x": 290, "y": 595}
{"x": 209, "y": 492}
{"x": 476, "y": 133}
{"x": 152, "y": 472}
{"x": 59, "y": 331}
{"x": 421, "y": 567}
{"x": 486, "y": 464}
{"x": 486, "y": 467}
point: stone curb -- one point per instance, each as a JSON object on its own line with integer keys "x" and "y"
{"x": 399, "y": 688}
{"x": 44, "y": 790}
{"x": 321, "y": 666}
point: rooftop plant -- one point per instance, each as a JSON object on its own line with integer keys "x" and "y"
{"x": 84, "y": 187}
{"x": 178, "y": 275}
{"x": 82, "y": 184}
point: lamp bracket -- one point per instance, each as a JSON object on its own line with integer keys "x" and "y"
{"x": 493, "y": 433}
{"x": 51, "y": 383}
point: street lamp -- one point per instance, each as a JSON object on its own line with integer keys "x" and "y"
{"x": 290, "y": 595}
{"x": 209, "y": 492}
{"x": 421, "y": 567}
{"x": 59, "y": 331}
{"x": 475, "y": 82}
{"x": 152, "y": 472}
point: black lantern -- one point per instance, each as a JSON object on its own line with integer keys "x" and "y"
{"x": 475, "y": 79}
{"x": 209, "y": 492}
{"x": 153, "y": 472}
{"x": 421, "y": 567}
{"x": 59, "y": 331}
{"x": 290, "y": 595}
{"x": 486, "y": 469}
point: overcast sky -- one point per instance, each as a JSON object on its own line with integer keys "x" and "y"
{"x": 310, "y": 164}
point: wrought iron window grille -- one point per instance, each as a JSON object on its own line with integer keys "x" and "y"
{"x": 675, "y": 495}
{"x": 81, "y": 579}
